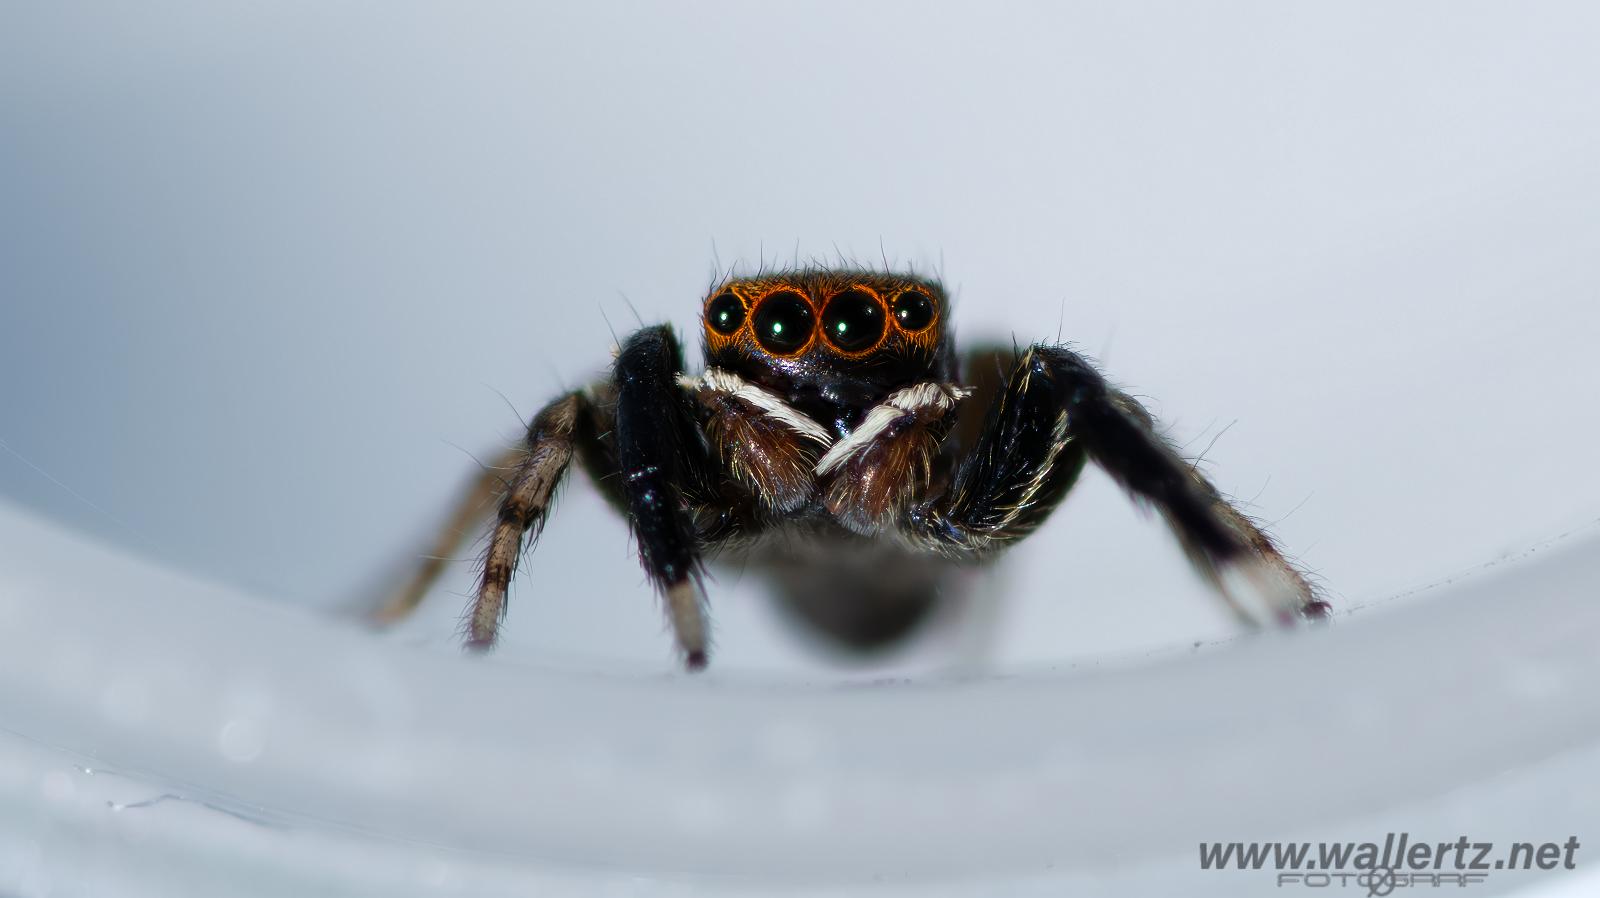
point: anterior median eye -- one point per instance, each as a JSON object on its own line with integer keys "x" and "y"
{"x": 913, "y": 310}
{"x": 782, "y": 322}
{"x": 725, "y": 313}
{"x": 853, "y": 321}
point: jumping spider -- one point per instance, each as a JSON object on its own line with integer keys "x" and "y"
{"x": 832, "y": 441}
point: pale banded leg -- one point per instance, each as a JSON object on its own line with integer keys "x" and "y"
{"x": 471, "y": 510}
{"x": 545, "y": 456}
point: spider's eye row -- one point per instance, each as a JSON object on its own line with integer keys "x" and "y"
{"x": 853, "y": 321}
{"x": 913, "y": 310}
{"x": 782, "y": 322}
{"x": 725, "y": 314}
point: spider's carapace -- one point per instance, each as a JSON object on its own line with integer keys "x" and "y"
{"x": 831, "y": 342}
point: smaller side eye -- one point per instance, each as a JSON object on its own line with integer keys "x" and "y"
{"x": 725, "y": 314}
{"x": 913, "y": 310}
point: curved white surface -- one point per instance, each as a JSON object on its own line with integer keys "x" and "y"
{"x": 166, "y": 736}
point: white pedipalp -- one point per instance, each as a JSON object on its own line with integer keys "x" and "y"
{"x": 917, "y": 397}
{"x": 769, "y": 403}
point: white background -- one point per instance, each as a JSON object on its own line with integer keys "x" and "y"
{"x": 268, "y": 270}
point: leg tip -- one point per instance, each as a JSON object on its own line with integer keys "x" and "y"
{"x": 696, "y": 661}
{"x": 1317, "y": 611}
{"x": 478, "y": 645}
{"x": 381, "y": 618}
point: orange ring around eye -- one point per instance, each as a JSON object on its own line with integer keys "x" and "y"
{"x": 782, "y": 323}
{"x": 717, "y": 340}
{"x": 725, "y": 313}
{"x": 906, "y": 315}
{"x": 863, "y": 304}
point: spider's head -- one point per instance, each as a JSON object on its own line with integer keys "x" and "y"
{"x": 837, "y": 338}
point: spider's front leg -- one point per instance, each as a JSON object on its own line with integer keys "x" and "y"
{"x": 1055, "y": 410}
{"x": 653, "y": 458}
{"x": 663, "y": 462}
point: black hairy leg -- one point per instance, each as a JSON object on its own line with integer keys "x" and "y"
{"x": 1012, "y": 470}
{"x": 663, "y": 465}
{"x": 1056, "y": 410}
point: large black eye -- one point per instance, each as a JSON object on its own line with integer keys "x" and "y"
{"x": 725, "y": 313}
{"x": 853, "y": 320}
{"x": 913, "y": 309}
{"x": 782, "y": 322}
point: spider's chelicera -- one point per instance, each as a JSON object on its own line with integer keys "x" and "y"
{"x": 836, "y": 440}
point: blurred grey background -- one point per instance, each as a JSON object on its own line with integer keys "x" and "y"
{"x": 270, "y": 274}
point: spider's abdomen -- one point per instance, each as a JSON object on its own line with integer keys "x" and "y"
{"x": 861, "y": 594}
